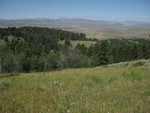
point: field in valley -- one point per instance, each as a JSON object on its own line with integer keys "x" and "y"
{"x": 106, "y": 30}
{"x": 119, "y": 88}
{"x": 93, "y": 29}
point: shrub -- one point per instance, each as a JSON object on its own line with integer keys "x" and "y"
{"x": 4, "y": 84}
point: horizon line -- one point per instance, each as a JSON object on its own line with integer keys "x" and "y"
{"x": 139, "y": 19}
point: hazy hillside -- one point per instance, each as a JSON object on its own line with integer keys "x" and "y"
{"x": 93, "y": 28}
{"x": 112, "y": 89}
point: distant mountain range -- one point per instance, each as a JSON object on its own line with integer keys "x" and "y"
{"x": 93, "y": 28}
{"x": 73, "y": 20}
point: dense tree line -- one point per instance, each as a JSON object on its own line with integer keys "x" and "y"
{"x": 119, "y": 50}
{"x": 30, "y": 32}
{"x": 28, "y": 49}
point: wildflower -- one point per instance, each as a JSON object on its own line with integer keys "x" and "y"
{"x": 56, "y": 83}
{"x": 68, "y": 111}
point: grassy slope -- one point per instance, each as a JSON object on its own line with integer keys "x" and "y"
{"x": 113, "y": 89}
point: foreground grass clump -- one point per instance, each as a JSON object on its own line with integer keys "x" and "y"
{"x": 94, "y": 90}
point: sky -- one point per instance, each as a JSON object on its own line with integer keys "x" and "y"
{"x": 88, "y": 9}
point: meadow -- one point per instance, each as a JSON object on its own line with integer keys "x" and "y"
{"x": 121, "y": 88}
{"x": 74, "y": 43}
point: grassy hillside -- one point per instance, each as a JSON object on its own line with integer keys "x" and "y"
{"x": 109, "y": 89}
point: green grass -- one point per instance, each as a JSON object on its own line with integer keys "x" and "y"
{"x": 75, "y": 42}
{"x": 114, "y": 89}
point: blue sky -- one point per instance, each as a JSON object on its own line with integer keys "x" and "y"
{"x": 90, "y": 9}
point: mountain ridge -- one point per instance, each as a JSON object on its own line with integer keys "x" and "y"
{"x": 101, "y": 21}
